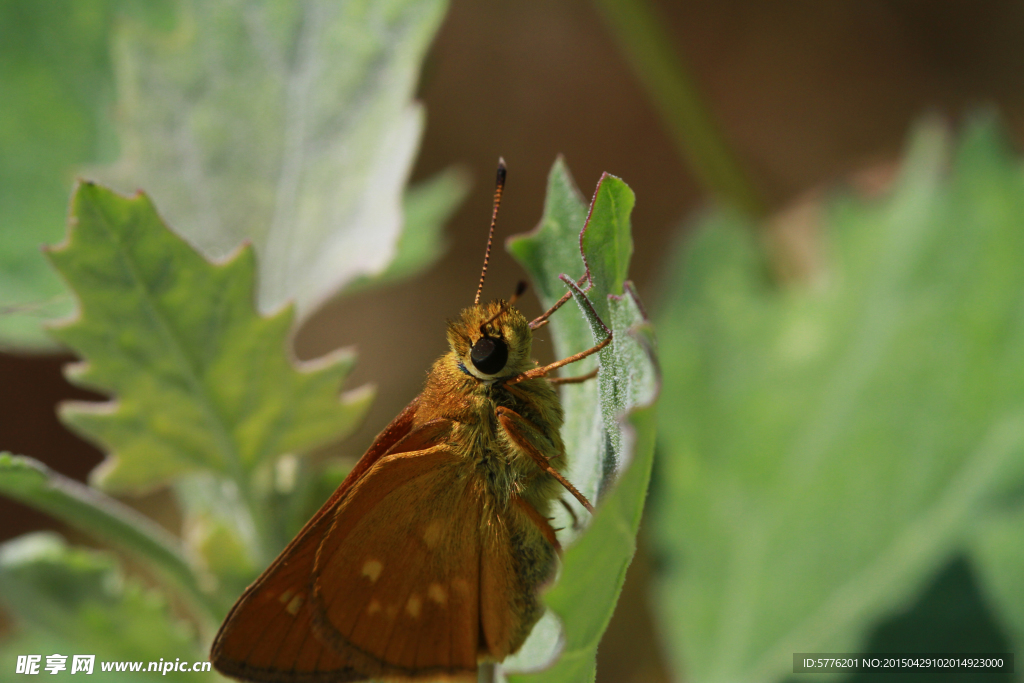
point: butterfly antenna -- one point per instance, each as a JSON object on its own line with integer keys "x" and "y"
{"x": 499, "y": 186}
{"x": 520, "y": 288}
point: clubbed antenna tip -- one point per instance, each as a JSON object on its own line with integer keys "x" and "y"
{"x": 499, "y": 186}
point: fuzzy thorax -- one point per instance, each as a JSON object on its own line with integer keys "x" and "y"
{"x": 458, "y": 391}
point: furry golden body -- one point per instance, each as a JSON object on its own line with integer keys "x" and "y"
{"x": 469, "y": 402}
{"x": 453, "y": 392}
{"x": 429, "y": 557}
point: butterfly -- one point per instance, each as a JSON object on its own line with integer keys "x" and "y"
{"x": 428, "y": 558}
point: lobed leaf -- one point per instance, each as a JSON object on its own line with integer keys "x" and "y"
{"x": 202, "y": 382}
{"x": 828, "y": 447}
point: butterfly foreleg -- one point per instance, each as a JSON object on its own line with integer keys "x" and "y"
{"x": 542, "y": 320}
{"x": 543, "y": 371}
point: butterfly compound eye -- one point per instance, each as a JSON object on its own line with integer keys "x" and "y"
{"x": 489, "y": 355}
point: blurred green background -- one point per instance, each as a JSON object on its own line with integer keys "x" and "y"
{"x": 829, "y": 229}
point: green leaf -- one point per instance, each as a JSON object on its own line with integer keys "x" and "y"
{"x": 949, "y": 615}
{"x": 997, "y": 550}
{"x": 202, "y": 382}
{"x": 106, "y": 519}
{"x": 607, "y": 251}
{"x": 290, "y": 125}
{"x": 554, "y": 249}
{"x": 618, "y": 411}
{"x": 78, "y": 602}
{"x": 57, "y": 85}
{"x": 428, "y": 207}
{"x": 594, "y": 568}
{"x": 551, "y": 250}
{"x": 828, "y": 447}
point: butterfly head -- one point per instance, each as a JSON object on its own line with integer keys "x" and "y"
{"x": 491, "y": 341}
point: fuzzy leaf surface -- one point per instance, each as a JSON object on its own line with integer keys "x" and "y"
{"x": 57, "y": 82}
{"x": 619, "y": 408}
{"x": 428, "y": 206}
{"x": 551, "y": 250}
{"x": 200, "y": 380}
{"x": 828, "y": 447}
{"x": 599, "y": 253}
{"x": 290, "y": 125}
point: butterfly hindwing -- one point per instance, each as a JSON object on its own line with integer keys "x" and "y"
{"x": 421, "y": 576}
{"x": 518, "y": 556}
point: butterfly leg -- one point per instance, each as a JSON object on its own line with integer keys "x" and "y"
{"x": 539, "y": 521}
{"x": 542, "y": 319}
{"x": 543, "y": 371}
{"x": 576, "y": 525}
{"x": 574, "y": 380}
{"x": 513, "y": 423}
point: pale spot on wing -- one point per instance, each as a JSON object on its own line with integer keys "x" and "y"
{"x": 294, "y": 604}
{"x": 373, "y": 607}
{"x": 432, "y": 534}
{"x": 438, "y": 594}
{"x": 286, "y": 596}
{"x": 413, "y": 606}
{"x": 371, "y": 569}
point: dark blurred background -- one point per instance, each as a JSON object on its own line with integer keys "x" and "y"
{"x": 806, "y": 93}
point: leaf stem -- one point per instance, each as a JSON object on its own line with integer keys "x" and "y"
{"x": 641, "y": 36}
{"x": 31, "y": 482}
{"x": 263, "y": 537}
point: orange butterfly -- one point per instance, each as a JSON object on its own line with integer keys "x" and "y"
{"x": 429, "y": 556}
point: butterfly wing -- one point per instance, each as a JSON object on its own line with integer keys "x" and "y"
{"x": 421, "y": 576}
{"x": 407, "y": 571}
{"x": 396, "y": 582}
{"x": 518, "y": 556}
{"x": 267, "y": 636}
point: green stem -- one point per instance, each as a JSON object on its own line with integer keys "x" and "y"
{"x": 33, "y": 483}
{"x": 263, "y": 537}
{"x": 641, "y": 36}
{"x": 487, "y": 673}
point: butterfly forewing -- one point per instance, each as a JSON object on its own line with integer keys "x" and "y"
{"x": 268, "y": 635}
{"x": 398, "y": 592}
